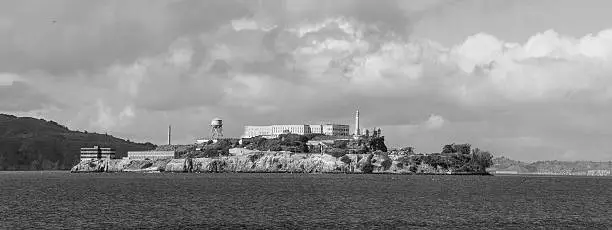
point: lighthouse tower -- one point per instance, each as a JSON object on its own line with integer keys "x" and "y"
{"x": 357, "y": 132}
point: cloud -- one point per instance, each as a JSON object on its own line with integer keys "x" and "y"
{"x": 308, "y": 62}
{"x": 67, "y": 36}
{"x": 105, "y": 119}
{"x": 434, "y": 122}
{"x": 9, "y": 79}
{"x": 548, "y": 66}
{"x": 19, "y": 96}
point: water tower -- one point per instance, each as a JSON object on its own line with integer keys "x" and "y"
{"x": 216, "y": 128}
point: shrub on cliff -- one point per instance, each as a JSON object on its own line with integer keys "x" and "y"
{"x": 436, "y": 160}
{"x": 311, "y": 136}
{"x": 285, "y": 142}
{"x": 254, "y": 157}
{"x": 454, "y": 157}
{"x": 413, "y": 168}
{"x": 378, "y": 143}
{"x": 457, "y": 148}
{"x": 335, "y": 152}
{"x": 481, "y": 160}
{"x": 409, "y": 150}
{"x": 289, "y": 139}
{"x": 340, "y": 144}
{"x": 386, "y": 163}
{"x": 345, "y": 159}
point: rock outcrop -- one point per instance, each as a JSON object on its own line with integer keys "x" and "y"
{"x": 179, "y": 165}
{"x": 91, "y": 166}
{"x": 254, "y": 162}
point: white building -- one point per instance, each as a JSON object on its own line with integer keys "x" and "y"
{"x": 97, "y": 153}
{"x": 295, "y": 129}
{"x": 253, "y": 131}
{"x": 316, "y": 128}
{"x": 336, "y": 130}
{"x": 151, "y": 155}
{"x": 273, "y": 131}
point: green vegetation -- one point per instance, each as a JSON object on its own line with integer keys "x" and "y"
{"x": 335, "y": 146}
{"x": 456, "y": 158}
{"x": 36, "y": 144}
{"x": 345, "y": 159}
{"x": 377, "y": 144}
{"x": 285, "y": 142}
{"x": 220, "y": 148}
{"x": 337, "y": 152}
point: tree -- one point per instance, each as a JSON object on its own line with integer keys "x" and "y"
{"x": 457, "y": 148}
{"x": 276, "y": 148}
{"x": 347, "y": 160}
{"x": 335, "y": 152}
{"x": 481, "y": 160}
{"x": 448, "y": 148}
{"x": 409, "y": 150}
{"x": 340, "y": 144}
{"x": 378, "y": 143}
{"x": 386, "y": 163}
{"x": 463, "y": 148}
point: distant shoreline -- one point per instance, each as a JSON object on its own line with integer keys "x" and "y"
{"x": 379, "y": 173}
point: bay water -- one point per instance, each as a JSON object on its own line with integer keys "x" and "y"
{"x": 61, "y": 200}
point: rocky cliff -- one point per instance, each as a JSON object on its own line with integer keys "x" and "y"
{"x": 254, "y": 162}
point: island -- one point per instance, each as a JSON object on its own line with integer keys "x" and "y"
{"x": 293, "y": 153}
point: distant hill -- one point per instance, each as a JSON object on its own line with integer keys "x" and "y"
{"x": 36, "y": 144}
{"x": 506, "y": 164}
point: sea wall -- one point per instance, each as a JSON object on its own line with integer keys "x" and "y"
{"x": 256, "y": 162}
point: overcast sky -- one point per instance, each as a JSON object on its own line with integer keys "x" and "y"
{"x": 527, "y": 79}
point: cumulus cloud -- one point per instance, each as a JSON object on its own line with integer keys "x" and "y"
{"x": 9, "y": 78}
{"x": 313, "y": 61}
{"x": 20, "y": 96}
{"x": 68, "y": 36}
{"x": 548, "y": 66}
{"x": 434, "y": 122}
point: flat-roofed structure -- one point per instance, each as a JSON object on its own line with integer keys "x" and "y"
{"x": 253, "y": 131}
{"x": 335, "y": 130}
{"x": 295, "y": 129}
{"x": 276, "y": 130}
{"x": 151, "y": 155}
{"x": 97, "y": 152}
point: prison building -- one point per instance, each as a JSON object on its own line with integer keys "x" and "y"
{"x": 151, "y": 155}
{"x": 97, "y": 153}
{"x": 276, "y": 130}
{"x": 334, "y": 130}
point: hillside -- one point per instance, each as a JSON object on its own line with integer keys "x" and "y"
{"x": 547, "y": 167}
{"x": 36, "y": 144}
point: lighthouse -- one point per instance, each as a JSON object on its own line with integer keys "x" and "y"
{"x": 169, "y": 134}
{"x": 357, "y": 133}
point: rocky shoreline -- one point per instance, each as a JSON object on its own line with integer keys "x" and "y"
{"x": 263, "y": 162}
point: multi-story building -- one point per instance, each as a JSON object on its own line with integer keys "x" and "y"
{"x": 295, "y": 129}
{"x": 316, "y": 128}
{"x": 275, "y": 130}
{"x": 335, "y": 130}
{"x": 253, "y": 131}
{"x": 272, "y": 131}
{"x": 97, "y": 153}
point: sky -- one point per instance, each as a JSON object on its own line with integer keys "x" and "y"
{"x": 526, "y": 79}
